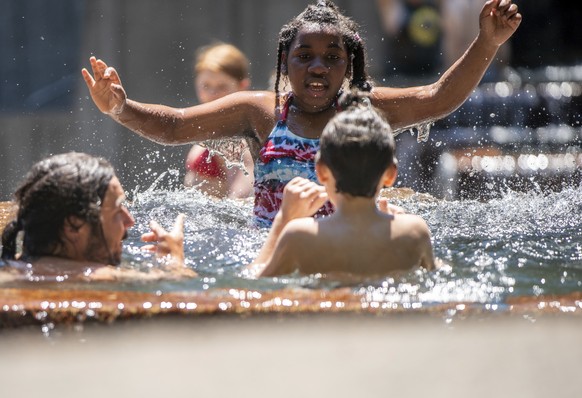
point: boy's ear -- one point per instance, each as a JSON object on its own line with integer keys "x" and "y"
{"x": 245, "y": 84}
{"x": 389, "y": 176}
{"x": 322, "y": 172}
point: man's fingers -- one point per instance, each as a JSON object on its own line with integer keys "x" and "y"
{"x": 179, "y": 224}
{"x": 157, "y": 228}
{"x": 149, "y": 237}
{"x": 149, "y": 248}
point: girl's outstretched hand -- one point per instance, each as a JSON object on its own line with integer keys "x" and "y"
{"x": 169, "y": 244}
{"x": 301, "y": 198}
{"x": 498, "y": 20}
{"x": 105, "y": 87}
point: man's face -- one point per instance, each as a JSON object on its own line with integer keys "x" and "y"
{"x": 105, "y": 246}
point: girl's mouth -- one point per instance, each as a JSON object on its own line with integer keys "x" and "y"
{"x": 316, "y": 88}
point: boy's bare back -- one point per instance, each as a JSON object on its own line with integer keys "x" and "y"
{"x": 374, "y": 244}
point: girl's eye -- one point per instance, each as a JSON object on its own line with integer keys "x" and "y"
{"x": 335, "y": 55}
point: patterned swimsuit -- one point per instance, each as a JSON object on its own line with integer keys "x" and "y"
{"x": 283, "y": 156}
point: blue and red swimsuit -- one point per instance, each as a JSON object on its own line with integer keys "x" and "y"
{"x": 283, "y": 156}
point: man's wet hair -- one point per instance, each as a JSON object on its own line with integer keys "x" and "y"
{"x": 327, "y": 15}
{"x": 357, "y": 145}
{"x": 54, "y": 190}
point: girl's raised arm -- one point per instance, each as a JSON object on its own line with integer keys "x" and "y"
{"x": 406, "y": 107}
{"x": 230, "y": 116}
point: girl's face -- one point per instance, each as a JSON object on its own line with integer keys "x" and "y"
{"x": 211, "y": 85}
{"x": 316, "y": 65}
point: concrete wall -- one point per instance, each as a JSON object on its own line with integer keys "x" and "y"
{"x": 151, "y": 44}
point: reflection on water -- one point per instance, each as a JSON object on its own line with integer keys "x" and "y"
{"x": 524, "y": 244}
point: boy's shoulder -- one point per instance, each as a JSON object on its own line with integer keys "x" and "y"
{"x": 304, "y": 226}
{"x": 411, "y": 225}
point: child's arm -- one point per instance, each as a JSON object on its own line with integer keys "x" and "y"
{"x": 226, "y": 117}
{"x": 406, "y": 107}
{"x": 301, "y": 198}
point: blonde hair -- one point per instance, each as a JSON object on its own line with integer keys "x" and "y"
{"x": 222, "y": 57}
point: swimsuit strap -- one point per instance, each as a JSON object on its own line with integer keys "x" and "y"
{"x": 286, "y": 106}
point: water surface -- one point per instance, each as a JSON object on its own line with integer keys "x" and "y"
{"x": 521, "y": 245}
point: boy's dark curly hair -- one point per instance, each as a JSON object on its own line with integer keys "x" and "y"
{"x": 357, "y": 145}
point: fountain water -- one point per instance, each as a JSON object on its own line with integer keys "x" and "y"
{"x": 512, "y": 253}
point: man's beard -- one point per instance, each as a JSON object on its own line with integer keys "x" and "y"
{"x": 98, "y": 250}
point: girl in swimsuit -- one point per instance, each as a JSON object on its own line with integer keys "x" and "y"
{"x": 319, "y": 52}
{"x": 220, "y": 69}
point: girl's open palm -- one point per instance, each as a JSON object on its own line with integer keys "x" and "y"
{"x": 105, "y": 87}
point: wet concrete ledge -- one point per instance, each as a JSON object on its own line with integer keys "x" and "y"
{"x": 21, "y": 307}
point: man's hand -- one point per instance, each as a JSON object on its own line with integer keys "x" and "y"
{"x": 169, "y": 244}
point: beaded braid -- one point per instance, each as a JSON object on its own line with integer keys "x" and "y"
{"x": 326, "y": 13}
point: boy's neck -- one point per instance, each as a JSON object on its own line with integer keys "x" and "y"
{"x": 348, "y": 205}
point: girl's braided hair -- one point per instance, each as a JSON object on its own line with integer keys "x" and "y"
{"x": 326, "y": 14}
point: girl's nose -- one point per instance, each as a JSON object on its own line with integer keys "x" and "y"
{"x": 318, "y": 67}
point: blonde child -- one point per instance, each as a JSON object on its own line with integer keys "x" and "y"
{"x": 220, "y": 69}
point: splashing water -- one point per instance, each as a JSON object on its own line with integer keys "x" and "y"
{"x": 524, "y": 244}
{"x": 229, "y": 149}
{"x": 422, "y": 130}
{"x": 521, "y": 244}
